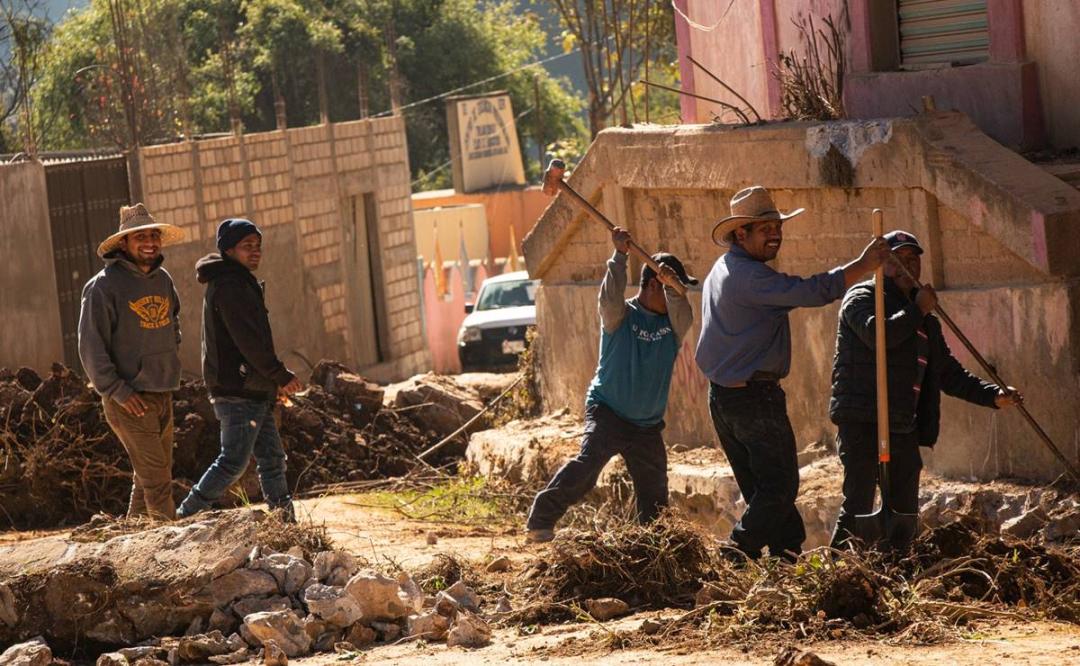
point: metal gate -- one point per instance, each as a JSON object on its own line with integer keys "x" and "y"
{"x": 943, "y": 32}
{"x": 84, "y": 207}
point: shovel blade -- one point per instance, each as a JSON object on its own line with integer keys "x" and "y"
{"x": 886, "y": 528}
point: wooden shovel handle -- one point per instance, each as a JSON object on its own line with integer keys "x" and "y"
{"x": 880, "y": 360}
{"x": 602, "y": 219}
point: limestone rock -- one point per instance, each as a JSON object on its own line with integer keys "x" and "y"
{"x": 289, "y": 572}
{"x": 334, "y": 567}
{"x": 469, "y": 631}
{"x": 200, "y": 648}
{"x": 242, "y": 583}
{"x": 222, "y": 621}
{"x": 606, "y": 608}
{"x": 314, "y": 627}
{"x": 438, "y": 402}
{"x": 34, "y": 652}
{"x": 150, "y": 661}
{"x": 331, "y": 637}
{"x": 360, "y": 636}
{"x": 457, "y": 597}
{"x": 237, "y": 657}
{"x": 112, "y": 659}
{"x": 332, "y": 604}
{"x": 282, "y": 627}
{"x": 429, "y": 626}
{"x": 796, "y": 657}
{"x": 379, "y": 597}
{"x": 274, "y": 655}
{"x": 134, "y": 654}
{"x": 411, "y": 594}
{"x": 499, "y": 564}
{"x": 1063, "y": 526}
{"x": 230, "y": 562}
{"x": 249, "y": 605}
{"x": 388, "y": 631}
{"x": 1026, "y": 524}
{"x": 8, "y": 614}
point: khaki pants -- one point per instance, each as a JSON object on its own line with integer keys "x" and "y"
{"x": 148, "y": 440}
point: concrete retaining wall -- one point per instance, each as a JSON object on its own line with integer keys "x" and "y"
{"x": 30, "y": 332}
{"x": 996, "y": 229}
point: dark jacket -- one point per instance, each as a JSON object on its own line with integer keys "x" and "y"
{"x": 910, "y": 336}
{"x": 238, "y": 355}
{"x": 129, "y": 330}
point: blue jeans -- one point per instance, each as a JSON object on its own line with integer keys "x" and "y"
{"x": 754, "y": 431}
{"x": 247, "y": 427}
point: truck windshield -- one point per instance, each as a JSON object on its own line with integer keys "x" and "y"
{"x": 507, "y": 295}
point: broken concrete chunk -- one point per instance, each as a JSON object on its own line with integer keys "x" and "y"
{"x": 238, "y": 657}
{"x": 242, "y": 583}
{"x": 274, "y": 655}
{"x": 249, "y": 605}
{"x": 289, "y": 572}
{"x": 1026, "y": 524}
{"x": 457, "y": 597}
{"x": 379, "y": 597}
{"x": 469, "y": 631}
{"x": 438, "y": 402}
{"x": 34, "y": 652}
{"x": 8, "y": 614}
{"x": 135, "y": 653}
{"x": 327, "y": 641}
{"x": 429, "y": 626}
{"x": 1063, "y": 526}
{"x": 231, "y": 562}
{"x": 199, "y": 648}
{"x": 282, "y": 627}
{"x": 606, "y": 608}
{"x": 112, "y": 659}
{"x": 331, "y": 565}
{"x": 314, "y": 627}
{"x": 501, "y": 563}
{"x": 411, "y": 594}
{"x": 332, "y": 604}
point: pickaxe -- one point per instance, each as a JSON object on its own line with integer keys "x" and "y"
{"x": 553, "y": 182}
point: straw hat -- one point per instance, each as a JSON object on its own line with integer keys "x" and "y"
{"x": 136, "y": 218}
{"x": 749, "y": 205}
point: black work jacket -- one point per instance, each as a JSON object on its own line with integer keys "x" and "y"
{"x": 917, "y": 356}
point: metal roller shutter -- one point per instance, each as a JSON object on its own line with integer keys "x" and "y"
{"x": 942, "y": 32}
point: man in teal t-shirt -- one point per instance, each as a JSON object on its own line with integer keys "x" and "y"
{"x": 625, "y": 403}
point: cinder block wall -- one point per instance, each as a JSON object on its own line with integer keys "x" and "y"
{"x": 670, "y": 185}
{"x": 298, "y": 186}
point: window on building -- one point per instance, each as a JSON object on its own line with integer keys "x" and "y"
{"x": 936, "y": 33}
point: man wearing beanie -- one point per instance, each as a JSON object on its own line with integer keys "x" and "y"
{"x": 129, "y": 340}
{"x": 242, "y": 372}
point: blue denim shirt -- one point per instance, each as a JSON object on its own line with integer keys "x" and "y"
{"x": 744, "y": 320}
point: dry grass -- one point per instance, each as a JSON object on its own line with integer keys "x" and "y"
{"x": 812, "y": 82}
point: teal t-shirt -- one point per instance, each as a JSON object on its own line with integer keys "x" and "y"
{"x": 636, "y": 360}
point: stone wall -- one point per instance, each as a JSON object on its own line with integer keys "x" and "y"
{"x": 311, "y": 190}
{"x": 976, "y": 206}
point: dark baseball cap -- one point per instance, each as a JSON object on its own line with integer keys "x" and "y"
{"x": 898, "y": 239}
{"x": 671, "y": 260}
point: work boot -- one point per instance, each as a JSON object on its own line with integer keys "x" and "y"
{"x": 542, "y": 535}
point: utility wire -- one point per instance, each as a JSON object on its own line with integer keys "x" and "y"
{"x": 448, "y": 93}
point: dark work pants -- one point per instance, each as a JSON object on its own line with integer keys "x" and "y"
{"x": 607, "y": 435}
{"x": 756, "y": 436}
{"x": 858, "y": 454}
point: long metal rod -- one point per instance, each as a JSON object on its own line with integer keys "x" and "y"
{"x": 731, "y": 90}
{"x": 736, "y": 109}
{"x": 1071, "y": 468}
{"x": 601, "y": 218}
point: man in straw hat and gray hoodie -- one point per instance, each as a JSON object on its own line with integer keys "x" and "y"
{"x": 745, "y": 350}
{"x": 129, "y": 339}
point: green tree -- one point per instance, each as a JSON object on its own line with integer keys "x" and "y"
{"x": 23, "y": 35}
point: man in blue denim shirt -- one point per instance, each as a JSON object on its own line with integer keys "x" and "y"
{"x": 745, "y": 349}
{"x": 243, "y": 373}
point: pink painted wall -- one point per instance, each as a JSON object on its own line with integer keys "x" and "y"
{"x": 1024, "y": 97}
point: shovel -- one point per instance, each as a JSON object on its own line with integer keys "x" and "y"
{"x": 884, "y": 527}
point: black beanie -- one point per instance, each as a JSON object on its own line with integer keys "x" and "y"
{"x": 232, "y": 231}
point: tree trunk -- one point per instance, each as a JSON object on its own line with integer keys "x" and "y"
{"x": 279, "y": 101}
{"x": 324, "y": 104}
{"x": 362, "y": 84}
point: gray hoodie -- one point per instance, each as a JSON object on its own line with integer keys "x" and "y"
{"x": 129, "y": 330}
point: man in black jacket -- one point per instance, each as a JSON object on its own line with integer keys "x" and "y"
{"x": 920, "y": 366}
{"x": 243, "y": 373}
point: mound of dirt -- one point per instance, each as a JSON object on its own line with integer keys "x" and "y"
{"x": 61, "y": 463}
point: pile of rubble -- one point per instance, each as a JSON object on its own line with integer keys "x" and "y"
{"x": 212, "y": 590}
{"x": 60, "y": 463}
